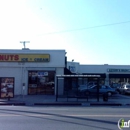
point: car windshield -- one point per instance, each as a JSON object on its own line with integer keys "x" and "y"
{"x": 105, "y": 87}
{"x": 109, "y": 87}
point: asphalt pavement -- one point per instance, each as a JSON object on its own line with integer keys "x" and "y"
{"x": 31, "y": 100}
{"x": 62, "y": 118}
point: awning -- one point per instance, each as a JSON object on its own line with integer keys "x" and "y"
{"x": 119, "y": 75}
{"x": 79, "y": 76}
{"x": 102, "y": 75}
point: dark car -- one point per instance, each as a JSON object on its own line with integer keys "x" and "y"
{"x": 104, "y": 89}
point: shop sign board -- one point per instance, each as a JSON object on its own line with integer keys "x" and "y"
{"x": 118, "y": 70}
{"x": 24, "y": 57}
{"x": 72, "y": 69}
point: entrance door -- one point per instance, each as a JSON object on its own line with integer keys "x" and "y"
{"x": 41, "y": 82}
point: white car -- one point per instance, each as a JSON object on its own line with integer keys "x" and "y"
{"x": 125, "y": 89}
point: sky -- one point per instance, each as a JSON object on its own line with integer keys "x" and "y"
{"x": 90, "y": 31}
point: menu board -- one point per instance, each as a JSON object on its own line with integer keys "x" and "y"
{"x": 7, "y": 87}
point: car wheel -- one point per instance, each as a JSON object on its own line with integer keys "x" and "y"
{"x": 123, "y": 92}
{"x": 109, "y": 93}
{"x": 119, "y": 91}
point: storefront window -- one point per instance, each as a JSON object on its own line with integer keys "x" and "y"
{"x": 74, "y": 83}
{"x": 94, "y": 81}
{"x": 7, "y": 87}
{"x": 41, "y": 82}
{"x": 117, "y": 82}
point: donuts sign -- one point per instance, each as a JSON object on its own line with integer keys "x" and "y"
{"x": 24, "y": 57}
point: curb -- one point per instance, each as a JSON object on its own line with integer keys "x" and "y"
{"x": 80, "y": 104}
{"x": 127, "y": 104}
{"x": 62, "y": 104}
{"x": 58, "y": 104}
{"x": 12, "y": 104}
{"x": 105, "y": 104}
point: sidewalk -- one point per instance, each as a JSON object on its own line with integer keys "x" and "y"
{"x": 45, "y": 100}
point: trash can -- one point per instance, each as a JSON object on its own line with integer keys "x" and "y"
{"x": 105, "y": 97}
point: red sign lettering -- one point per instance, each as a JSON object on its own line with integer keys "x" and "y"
{"x": 9, "y": 57}
{"x": 1, "y": 57}
{"x": 16, "y": 57}
{"x": 6, "y": 57}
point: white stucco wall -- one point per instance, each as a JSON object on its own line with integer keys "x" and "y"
{"x": 102, "y": 68}
{"x": 96, "y": 68}
{"x": 93, "y": 69}
{"x": 57, "y": 58}
{"x": 20, "y": 70}
{"x": 60, "y": 71}
{"x": 74, "y": 65}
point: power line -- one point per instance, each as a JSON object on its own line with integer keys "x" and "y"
{"x": 98, "y": 26}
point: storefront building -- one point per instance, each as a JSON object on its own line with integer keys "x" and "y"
{"x": 33, "y": 72}
{"x": 114, "y": 75}
{"x": 30, "y": 72}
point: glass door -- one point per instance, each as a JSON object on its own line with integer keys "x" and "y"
{"x": 41, "y": 82}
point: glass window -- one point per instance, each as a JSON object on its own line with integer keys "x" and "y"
{"x": 118, "y": 82}
{"x": 41, "y": 82}
{"x": 104, "y": 87}
{"x": 7, "y": 87}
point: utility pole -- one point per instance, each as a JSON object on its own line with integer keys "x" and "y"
{"x": 24, "y": 42}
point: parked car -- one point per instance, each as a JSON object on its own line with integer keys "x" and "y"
{"x": 103, "y": 89}
{"x": 115, "y": 85}
{"x": 125, "y": 89}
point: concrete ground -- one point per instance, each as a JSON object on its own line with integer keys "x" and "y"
{"x": 117, "y": 100}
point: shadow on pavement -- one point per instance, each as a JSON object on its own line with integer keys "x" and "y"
{"x": 24, "y": 113}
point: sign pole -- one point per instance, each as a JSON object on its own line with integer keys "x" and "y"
{"x": 24, "y": 42}
{"x": 23, "y": 90}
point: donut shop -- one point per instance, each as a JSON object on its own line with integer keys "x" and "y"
{"x": 30, "y": 72}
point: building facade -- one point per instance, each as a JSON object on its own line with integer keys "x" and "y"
{"x": 30, "y": 72}
{"x": 114, "y": 75}
{"x": 33, "y": 72}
